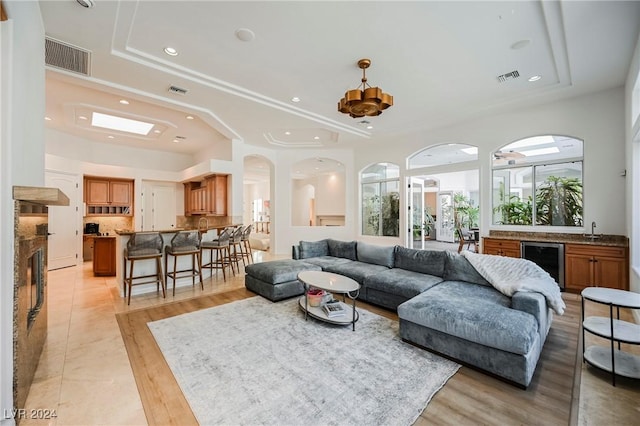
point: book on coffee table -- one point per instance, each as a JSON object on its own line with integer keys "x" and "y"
{"x": 333, "y": 309}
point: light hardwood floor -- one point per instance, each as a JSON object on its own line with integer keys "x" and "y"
{"x": 101, "y": 366}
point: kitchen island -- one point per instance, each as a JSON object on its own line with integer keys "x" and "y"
{"x": 148, "y": 267}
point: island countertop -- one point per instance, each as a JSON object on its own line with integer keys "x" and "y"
{"x": 174, "y": 230}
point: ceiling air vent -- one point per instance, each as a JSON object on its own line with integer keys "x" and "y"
{"x": 177, "y": 90}
{"x": 508, "y": 76}
{"x": 67, "y": 57}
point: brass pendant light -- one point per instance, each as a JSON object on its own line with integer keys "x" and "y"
{"x": 365, "y": 100}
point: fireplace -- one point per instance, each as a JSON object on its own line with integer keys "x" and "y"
{"x": 31, "y": 230}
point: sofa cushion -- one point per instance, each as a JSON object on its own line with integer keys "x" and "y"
{"x": 376, "y": 255}
{"x": 279, "y": 271}
{"x": 313, "y": 249}
{"x": 343, "y": 249}
{"x": 401, "y": 282}
{"x": 473, "y": 312}
{"x": 458, "y": 268}
{"x": 326, "y": 261}
{"x": 425, "y": 261}
{"x": 356, "y": 270}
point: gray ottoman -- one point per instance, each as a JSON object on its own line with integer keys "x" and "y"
{"x": 278, "y": 279}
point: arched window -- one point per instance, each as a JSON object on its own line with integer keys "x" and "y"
{"x": 449, "y": 153}
{"x": 538, "y": 181}
{"x": 381, "y": 200}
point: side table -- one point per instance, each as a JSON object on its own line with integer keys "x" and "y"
{"x": 613, "y": 360}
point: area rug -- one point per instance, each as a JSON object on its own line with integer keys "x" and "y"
{"x": 257, "y": 362}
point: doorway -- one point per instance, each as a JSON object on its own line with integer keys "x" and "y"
{"x": 63, "y": 240}
{"x": 159, "y": 201}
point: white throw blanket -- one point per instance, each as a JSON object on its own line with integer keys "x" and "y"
{"x": 510, "y": 274}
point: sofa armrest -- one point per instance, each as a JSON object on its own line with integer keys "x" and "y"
{"x": 534, "y": 304}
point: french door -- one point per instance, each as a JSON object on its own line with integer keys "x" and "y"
{"x": 415, "y": 213}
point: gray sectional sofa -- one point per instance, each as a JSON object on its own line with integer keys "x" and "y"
{"x": 443, "y": 304}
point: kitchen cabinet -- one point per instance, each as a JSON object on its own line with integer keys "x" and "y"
{"x": 208, "y": 197}
{"x": 87, "y": 247}
{"x": 592, "y": 265}
{"x": 105, "y": 196}
{"x": 501, "y": 247}
{"x": 104, "y": 256}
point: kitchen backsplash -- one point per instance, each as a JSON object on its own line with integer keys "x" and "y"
{"x": 108, "y": 225}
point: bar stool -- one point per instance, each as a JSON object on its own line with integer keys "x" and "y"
{"x": 236, "y": 245}
{"x": 222, "y": 257}
{"x": 184, "y": 243}
{"x": 246, "y": 233}
{"x": 143, "y": 247}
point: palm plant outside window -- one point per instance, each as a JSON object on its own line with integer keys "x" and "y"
{"x": 538, "y": 182}
{"x": 380, "y": 185}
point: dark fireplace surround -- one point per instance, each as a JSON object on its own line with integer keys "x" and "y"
{"x": 30, "y": 282}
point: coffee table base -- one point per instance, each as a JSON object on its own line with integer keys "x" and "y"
{"x": 317, "y": 313}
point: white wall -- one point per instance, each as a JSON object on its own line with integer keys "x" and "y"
{"x": 302, "y": 192}
{"x": 21, "y": 152}
{"x": 287, "y": 234}
{"x": 632, "y": 151}
{"x": 331, "y": 194}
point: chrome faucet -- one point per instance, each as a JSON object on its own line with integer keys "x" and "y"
{"x": 206, "y": 224}
{"x": 593, "y": 226}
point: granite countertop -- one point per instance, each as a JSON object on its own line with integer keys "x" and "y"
{"x": 173, "y": 230}
{"x": 602, "y": 240}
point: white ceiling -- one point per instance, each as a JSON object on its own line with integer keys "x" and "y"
{"x": 440, "y": 61}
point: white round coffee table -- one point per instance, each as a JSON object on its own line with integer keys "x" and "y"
{"x": 335, "y": 284}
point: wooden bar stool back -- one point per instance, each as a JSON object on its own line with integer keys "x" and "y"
{"x": 143, "y": 246}
{"x": 184, "y": 243}
{"x": 246, "y": 244}
{"x": 236, "y": 244}
{"x": 219, "y": 253}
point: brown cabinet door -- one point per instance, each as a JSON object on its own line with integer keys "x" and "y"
{"x": 496, "y": 246}
{"x": 97, "y": 192}
{"x": 610, "y": 272}
{"x": 588, "y": 265}
{"x": 221, "y": 196}
{"x": 120, "y": 192}
{"x": 578, "y": 272}
{"x": 104, "y": 256}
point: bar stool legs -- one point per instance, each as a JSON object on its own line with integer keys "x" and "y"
{"x": 143, "y": 247}
{"x": 183, "y": 244}
{"x": 195, "y": 271}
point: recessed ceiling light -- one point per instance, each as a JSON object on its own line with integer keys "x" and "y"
{"x": 316, "y": 137}
{"x": 82, "y": 117}
{"x": 535, "y": 78}
{"x": 369, "y": 127}
{"x": 176, "y": 141}
{"x": 295, "y": 99}
{"x": 48, "y": 118}
{"x": 170, "y": 51}
{"x": 124, "y": 102}
{"x": 111, "y": 137}
{"x": 121, "y": 124}
{"x": 521, "y": 44}
{"x": 189, "y": 117}
{"x": 287, "y": 133}
{"x": 157, "y": 131}
{"x": 245, "y": 34}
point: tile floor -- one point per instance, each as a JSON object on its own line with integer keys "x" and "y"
{"x": 84, "y": 373}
